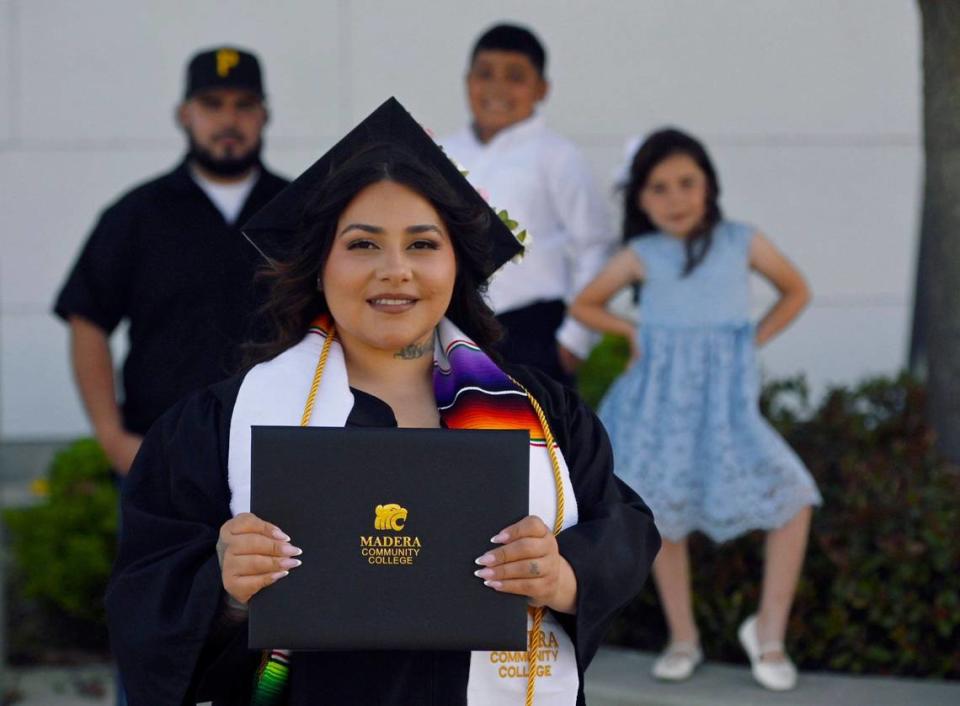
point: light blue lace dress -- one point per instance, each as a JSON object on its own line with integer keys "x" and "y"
{"x": 684, "y": 421}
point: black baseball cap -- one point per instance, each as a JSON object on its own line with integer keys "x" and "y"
{"x": 223, "y": 67}
{"x": 274, "y": 229}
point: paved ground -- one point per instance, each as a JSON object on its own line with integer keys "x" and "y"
{"x": 617, "y": 678}
{"x": 622, "y": 678}
{"x": 80, "y": 686}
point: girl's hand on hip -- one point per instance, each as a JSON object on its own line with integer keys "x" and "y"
{"x": 253, "y": 554}
{"x": 529, "y": 564}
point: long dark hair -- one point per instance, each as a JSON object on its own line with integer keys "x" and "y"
{"x": 658, "y": 147}
{"x": 293, "y": 300}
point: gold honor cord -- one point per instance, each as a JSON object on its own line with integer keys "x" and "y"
{"x": 533, "y": 650}
{"x": 318, "y": 373}
{"x": 534, "y": 646}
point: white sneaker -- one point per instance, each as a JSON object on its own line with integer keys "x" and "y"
{"x": 677, "y": 662}
{"x": 776, "y": 676}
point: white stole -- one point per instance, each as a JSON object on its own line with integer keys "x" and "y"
{"x": 273, "y": 394}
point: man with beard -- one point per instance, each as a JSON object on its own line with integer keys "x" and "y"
{"x": 169, "y": 258}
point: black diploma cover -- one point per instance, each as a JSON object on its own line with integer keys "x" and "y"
{"x": 390, "y": 522}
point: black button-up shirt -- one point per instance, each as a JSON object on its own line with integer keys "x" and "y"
{"x": 164, "y": 258}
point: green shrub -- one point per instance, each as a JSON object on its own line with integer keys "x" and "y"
{"x": 605, "y": 363}
{"x": 880, "y": 591}
{"x": 63, "y": 547}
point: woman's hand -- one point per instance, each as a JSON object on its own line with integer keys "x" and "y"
{"x": 253, "y": 554}
{"x": 529, "y": 564}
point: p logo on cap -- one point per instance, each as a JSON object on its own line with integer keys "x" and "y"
{"x": 223, "y": 67}
{"x": 227, "y": 59}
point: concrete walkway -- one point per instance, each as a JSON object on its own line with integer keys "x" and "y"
{"x": 48, "y": 686}
{"x": 622, "y": 678}
{"x": 617, "y": 678}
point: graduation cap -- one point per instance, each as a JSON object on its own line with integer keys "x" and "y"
{"x": 274, "y": 228}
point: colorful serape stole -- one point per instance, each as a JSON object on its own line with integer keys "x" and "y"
{"x": 271, "y": 679}
{"x": 474, "y": 393}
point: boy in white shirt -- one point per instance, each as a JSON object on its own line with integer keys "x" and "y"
{"x": 544, "y": 183}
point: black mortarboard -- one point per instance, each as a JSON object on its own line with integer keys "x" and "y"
{"x": 273, "y": 228}
{"x": 224, "y": 67}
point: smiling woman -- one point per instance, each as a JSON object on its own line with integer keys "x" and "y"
{"x": 379, "y": 252}
{"x": 390, "y": 274}
{"x": 378, "y": 231}
{"x": 377, "y": 296}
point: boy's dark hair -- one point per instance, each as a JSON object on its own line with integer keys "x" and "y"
{"x": 659, "y": 146}
{"x": 507, "y": 37}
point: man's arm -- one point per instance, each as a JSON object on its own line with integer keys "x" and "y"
{"x": 93, "y": 371}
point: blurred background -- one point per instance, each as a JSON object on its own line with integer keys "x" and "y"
{"x": 811, "y": 110}
{"x": 813, "y": 113}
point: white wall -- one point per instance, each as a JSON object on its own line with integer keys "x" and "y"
{"x": 811, "y": 110}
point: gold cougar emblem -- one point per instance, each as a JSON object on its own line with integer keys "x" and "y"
{"x": 390, "y": 516}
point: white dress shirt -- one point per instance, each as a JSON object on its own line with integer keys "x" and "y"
{"x": 544, "y": 183}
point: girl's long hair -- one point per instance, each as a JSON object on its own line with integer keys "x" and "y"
{"x": 293, "y": 301}
{"x": 658, "y": 147}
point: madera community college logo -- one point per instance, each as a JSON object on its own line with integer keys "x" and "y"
{"x": 390, "y": 516}
{"x": 390, "y": 549}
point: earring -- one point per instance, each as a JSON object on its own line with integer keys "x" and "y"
{"x": 319, "y": 283}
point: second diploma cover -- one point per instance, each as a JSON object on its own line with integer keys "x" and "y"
{"x": 390, "y": 522}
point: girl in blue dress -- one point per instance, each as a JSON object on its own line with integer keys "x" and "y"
{"x": 683, "y": 419}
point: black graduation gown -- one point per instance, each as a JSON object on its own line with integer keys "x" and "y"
{"x": 165, "y": 600}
